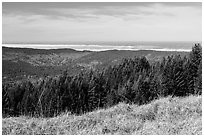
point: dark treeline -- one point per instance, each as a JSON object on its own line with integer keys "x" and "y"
{"x": 132, "y": 81}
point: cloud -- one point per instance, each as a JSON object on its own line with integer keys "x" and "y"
{"x": 73, "y": 10}
{"x": 101, "y": 22}
{"x": 94, "y": 11}
{"x": 111, "y": 11}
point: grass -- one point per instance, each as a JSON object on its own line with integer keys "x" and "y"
{"x": 166, "y": 116}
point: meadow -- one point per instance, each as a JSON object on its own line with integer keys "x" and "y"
{"x": 165, "y": 116}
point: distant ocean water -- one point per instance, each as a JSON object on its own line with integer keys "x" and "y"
{"x": 101, "y": 46}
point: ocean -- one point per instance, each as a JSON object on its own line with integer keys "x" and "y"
{"x": 101, "y": 46}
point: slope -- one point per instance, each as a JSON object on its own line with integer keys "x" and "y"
{"x": 164, "y": 116}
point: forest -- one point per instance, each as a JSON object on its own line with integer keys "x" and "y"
{"x": 133, "y": 81}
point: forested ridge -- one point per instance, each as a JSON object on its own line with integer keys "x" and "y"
{"x": 25, "y": 63}
{"x": 132, "y": 81}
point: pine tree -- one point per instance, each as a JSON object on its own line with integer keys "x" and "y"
{"x": 192, "y": 66}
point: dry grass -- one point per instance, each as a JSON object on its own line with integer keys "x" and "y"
{"x": 164, "y": 116}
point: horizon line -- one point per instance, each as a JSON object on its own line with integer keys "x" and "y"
{"x": 68, "y": 42}
{"x": 98, "y": 50}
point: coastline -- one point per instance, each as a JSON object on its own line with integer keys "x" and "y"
{"x": 90, "y": 47}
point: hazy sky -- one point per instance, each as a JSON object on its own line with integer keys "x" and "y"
{"x": 61, "y": 22}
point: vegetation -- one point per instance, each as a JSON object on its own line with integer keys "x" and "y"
{"x": 166, "y": 116}
{"x": 24, "y": 63}
{"x": 132, "y": 81}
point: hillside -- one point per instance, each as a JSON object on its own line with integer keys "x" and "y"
{"x": 134, "y": 80}
{"x": 21, "y": 63}
{"x": 166, "y": 116}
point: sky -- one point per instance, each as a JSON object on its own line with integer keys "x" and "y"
{"x": 75, "y": 22}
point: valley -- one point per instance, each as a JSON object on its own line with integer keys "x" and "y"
{"x": 23, "y": 63}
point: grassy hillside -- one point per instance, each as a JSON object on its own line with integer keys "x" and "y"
{"x": 163, "y": 116}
